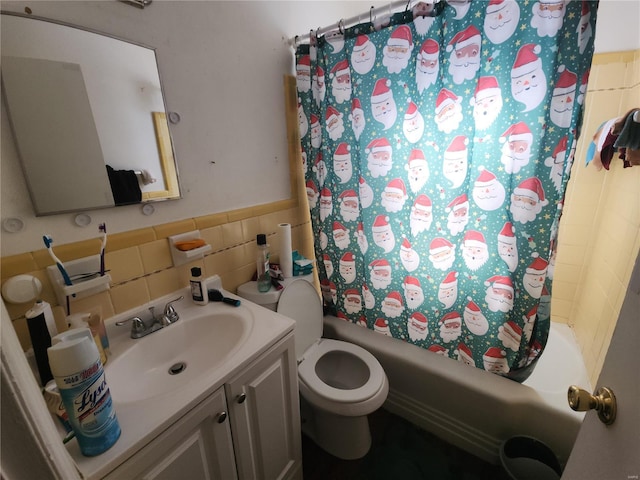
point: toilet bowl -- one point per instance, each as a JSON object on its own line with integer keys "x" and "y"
{"x": 340, "y": 383}
{"x": 342, "y": 378}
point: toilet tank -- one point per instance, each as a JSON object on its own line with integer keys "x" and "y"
{"x": 267, "y": 299}
{"x": 270, "y": 298}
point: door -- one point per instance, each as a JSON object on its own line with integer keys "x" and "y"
{"x": 613, "y": 451}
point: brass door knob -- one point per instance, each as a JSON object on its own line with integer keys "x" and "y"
{"x": 604, "y": 402}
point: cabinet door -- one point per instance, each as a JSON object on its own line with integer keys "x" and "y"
{"x": 198, "y": 446}
{"x": 265, "y": 416}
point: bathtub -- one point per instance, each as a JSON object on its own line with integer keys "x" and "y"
{"x": 473, "y": 409}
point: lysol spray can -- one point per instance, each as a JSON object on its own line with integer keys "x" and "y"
{"x": 79, "y": 374}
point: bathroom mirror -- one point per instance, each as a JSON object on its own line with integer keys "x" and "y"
{"x": 87, "y": 114}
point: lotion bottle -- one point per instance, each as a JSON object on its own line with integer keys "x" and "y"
{"x": 199, "y": 292}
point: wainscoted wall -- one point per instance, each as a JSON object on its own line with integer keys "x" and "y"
{"x": 140, "y": 263}
{"x": 599, "y": 236}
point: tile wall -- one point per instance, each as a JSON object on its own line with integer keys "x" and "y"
{"x": 141, "y": 266}
{"x": 599, "y": 236}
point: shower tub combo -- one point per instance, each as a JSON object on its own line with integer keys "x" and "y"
{"x": 471, "y": 408}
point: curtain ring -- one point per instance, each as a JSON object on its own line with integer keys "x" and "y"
{"x": 341, "y": 26}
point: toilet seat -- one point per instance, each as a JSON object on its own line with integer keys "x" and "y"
{"x": 308, "y": 375}
{"x": 301, "y": 302}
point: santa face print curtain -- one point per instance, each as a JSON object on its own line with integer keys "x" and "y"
{"x": 437, "y": 145}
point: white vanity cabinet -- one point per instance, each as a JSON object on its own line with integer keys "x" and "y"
{"x": 265, "y": 416}
{"x": 247, "y": 429}
{"x": 198, "y": 446}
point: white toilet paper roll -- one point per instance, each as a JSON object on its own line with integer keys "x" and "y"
{"x": 286, "y": 254}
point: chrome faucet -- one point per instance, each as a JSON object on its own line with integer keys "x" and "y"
{"x": 140, "y": 328}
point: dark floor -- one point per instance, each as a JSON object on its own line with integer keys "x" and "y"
{"x": 399, "y": 450}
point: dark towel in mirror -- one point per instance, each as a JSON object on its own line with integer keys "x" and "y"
{"x": 124, "y": 186}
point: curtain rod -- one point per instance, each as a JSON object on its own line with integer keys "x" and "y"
{"x": 355, "y": 20}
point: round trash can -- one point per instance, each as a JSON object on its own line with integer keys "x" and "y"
{"x": 527, "y": 458}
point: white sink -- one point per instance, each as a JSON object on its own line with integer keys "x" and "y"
{"x": 191, "y": 347}
{"x": 216, "y": 341}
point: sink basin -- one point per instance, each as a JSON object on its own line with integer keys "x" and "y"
{"x": 176, "y": 355}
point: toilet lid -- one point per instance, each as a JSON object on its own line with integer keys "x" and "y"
{"x": 301, "y": 302}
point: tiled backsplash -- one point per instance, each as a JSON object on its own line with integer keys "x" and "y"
{"x": 140, "y": 263}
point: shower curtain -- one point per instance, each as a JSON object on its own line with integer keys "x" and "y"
{"x": 437, "y": 145}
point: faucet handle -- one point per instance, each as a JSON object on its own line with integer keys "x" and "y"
{"x": 170, "y": 313}
{"x": 137, "y": 326}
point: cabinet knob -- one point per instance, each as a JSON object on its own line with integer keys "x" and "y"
{"x": 241, "y": 398}
{"x": 222, "y": 416}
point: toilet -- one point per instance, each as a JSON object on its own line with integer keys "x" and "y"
{"x": 340, "y": 383}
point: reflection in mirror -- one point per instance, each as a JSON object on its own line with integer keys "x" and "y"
{"x": 88, "y": 117}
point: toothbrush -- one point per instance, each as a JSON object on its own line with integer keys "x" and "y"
{"x": 103, "y": 228}
{"x": 47, "y": 242}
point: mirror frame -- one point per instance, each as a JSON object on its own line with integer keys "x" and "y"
{"x": 164, "y": 140}
{"x": 167, "y": 159}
